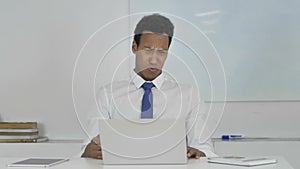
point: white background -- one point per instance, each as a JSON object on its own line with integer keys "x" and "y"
{"x": 40, "y": 41}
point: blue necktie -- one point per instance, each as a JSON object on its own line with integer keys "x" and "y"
{"x": 147, "y": 102}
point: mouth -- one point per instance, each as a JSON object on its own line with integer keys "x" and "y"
{"x": 152, "y": 69}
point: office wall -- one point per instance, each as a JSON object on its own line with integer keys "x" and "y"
{"x": 40, "y": 42}
{"x": 40, "y": 45}
{"x": 260, "y": 119}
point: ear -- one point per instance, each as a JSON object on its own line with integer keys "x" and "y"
{"x": 134, "y": 47}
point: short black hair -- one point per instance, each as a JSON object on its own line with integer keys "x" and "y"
{"x": 155, "y": 23}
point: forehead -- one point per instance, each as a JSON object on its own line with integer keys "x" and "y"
{"x": 154, "y": 40}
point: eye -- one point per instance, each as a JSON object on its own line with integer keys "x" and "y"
{"x": 148, "y": 50}
{"x": 163, "y": 52}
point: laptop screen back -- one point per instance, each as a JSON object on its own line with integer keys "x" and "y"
{"x": 143, "y": 141}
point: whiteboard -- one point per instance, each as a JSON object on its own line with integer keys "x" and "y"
{"x": 257, "y": 42}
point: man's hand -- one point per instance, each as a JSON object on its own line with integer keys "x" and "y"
{"x": 192, "y": 152}
{"x": 92, "y": 150}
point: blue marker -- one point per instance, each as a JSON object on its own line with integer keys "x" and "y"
{"x": 227, "y": 137}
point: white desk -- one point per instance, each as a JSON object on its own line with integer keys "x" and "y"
{"x": 286, "y": 147}
{"x": 82, "y": 163}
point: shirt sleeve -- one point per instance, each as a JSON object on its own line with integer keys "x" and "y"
{"x": 198, "y": 133}
{"x": 100, "y": 110}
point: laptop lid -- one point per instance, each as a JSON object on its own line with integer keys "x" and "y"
{"x": 144, "y": 141}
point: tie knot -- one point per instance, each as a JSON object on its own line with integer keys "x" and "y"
{"x": 147, "y": 85}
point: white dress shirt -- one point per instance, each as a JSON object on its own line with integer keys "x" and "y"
{"x": 123, "y": 99}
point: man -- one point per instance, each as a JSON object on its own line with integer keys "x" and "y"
{"x": 153, "y": 36}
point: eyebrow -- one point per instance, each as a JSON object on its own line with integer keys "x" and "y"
{"x": 155, "y": 48}
{"x": 147, "y": 47}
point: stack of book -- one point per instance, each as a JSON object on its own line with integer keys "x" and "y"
{"x": 19, "y": 132}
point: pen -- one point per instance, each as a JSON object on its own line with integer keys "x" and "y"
{"x": 235, "y": 136}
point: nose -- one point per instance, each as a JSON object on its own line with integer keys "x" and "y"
{"x": 153, "y": 59}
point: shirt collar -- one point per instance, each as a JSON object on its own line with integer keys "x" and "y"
{"x": 138, "y": 81}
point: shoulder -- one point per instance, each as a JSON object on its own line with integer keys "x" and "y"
{"x": 173, "y": 84}
{"x": 117, "y": 84}
{"x": 187, "y": 90}
{"x": 115, "y": 87}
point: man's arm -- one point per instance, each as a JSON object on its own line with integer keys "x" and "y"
{"x": 199, "y": 143}
{"x": 93, "y": 148}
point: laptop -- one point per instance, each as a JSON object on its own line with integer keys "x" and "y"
{"x": 144, "y": 141}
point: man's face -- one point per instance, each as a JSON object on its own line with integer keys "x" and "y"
{"x": 150, "y": 55}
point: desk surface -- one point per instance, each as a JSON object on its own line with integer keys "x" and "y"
{"x": 80, "y": 163}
